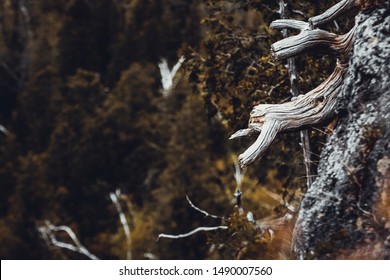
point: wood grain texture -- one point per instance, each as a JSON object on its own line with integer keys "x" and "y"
{"x": 314, "y": 108}
{"x": 311, "y": 109}
{"x": 333, "y": 12}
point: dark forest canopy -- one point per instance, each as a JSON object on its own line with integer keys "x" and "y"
{"x": 83, "y": 114}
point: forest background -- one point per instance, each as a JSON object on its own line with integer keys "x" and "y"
{"x": 83, "y": 114}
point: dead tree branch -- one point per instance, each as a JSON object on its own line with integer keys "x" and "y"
{"x": 292, "y": 70}
{"x": 122, "y": 217}
{"x": 199, "y": 229}
{"x": 184, "y": 235}
{"x": 48, "y": 233}
{"x": 313, "y": 108}
{"x": 333, "y": 12}
{"x": 202, "y": 211}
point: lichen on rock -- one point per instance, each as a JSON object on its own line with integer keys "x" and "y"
{"x": 345, "y": 213}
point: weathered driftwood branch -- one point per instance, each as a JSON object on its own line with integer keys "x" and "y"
{"x": 313, "y": 108}
{"x": 333, "y": 12}
{"x": 309, "y": 39}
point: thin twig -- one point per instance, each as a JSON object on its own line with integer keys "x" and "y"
{"x": 9, "y": 70}
{"x": 163, "y": 235}
{"x": 298, "y": 12}
{"x": 304, "y": 134}
{"x": 274, "y": 87}
{"x": 202, "y": 211}
{"x": 122, "y": 217}
{"x": 48, "y": 230}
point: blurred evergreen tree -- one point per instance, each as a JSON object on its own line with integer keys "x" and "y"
{"x": 80, "y": 97}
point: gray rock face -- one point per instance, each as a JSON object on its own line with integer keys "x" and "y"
{"x": 346, "y": 212}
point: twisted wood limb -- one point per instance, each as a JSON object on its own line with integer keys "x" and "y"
{"x": 333, "y": 12}
{"x": 307, "y": 40}
{"x": 313, "y": 108}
